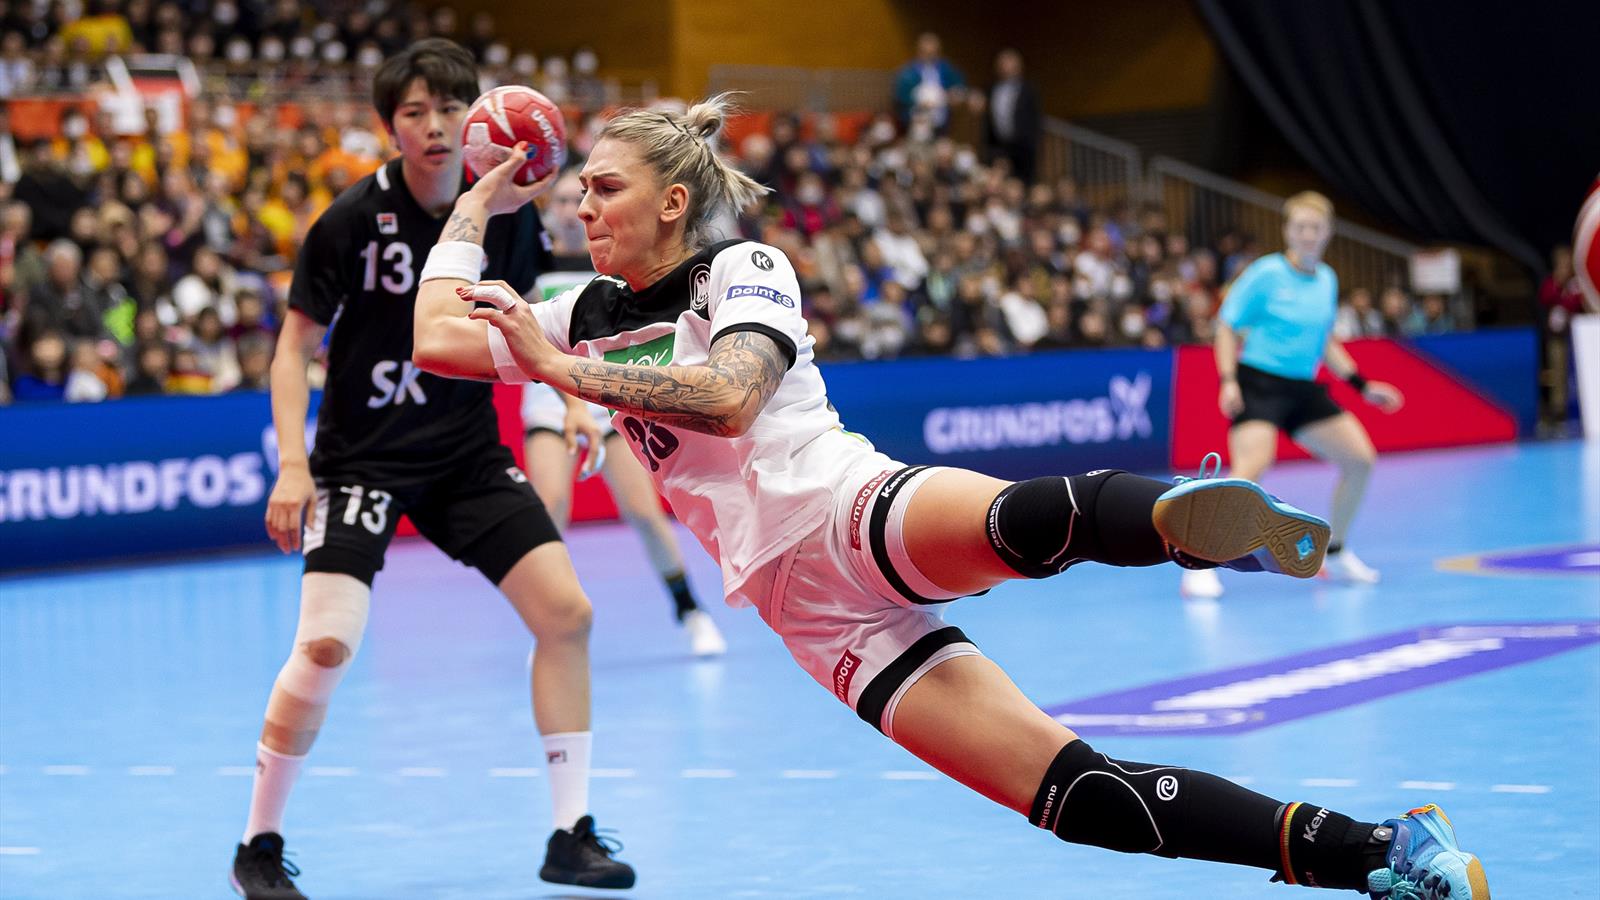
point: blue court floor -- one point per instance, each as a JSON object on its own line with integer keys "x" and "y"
{"x": 130, "y": 701}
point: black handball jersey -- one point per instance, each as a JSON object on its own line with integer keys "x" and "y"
{"x": 383, "y": 420}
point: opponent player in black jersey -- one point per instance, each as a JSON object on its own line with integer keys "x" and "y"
{"x": 394, "y": 440}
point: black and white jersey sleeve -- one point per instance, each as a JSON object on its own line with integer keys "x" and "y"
{"x": 754, "y": 288}
{"x": 320, "y": 284}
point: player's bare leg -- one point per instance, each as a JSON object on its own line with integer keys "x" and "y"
{"x": 640, "y": 506}
{"x": 1342, "y": 441}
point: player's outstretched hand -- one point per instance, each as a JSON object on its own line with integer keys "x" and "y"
{"x": 1384, "y": 396}
{"x": 499, "y": 193}
{"x": 531, "y": 350}
{"x": 286, "y": 504}
{"x": 1230, "y": 400}
{"x": 582, "y": 433}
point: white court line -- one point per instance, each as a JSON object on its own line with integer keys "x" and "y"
{"x": 810, "y": 773}
{"x": 151, "y": 770}
{"x": 1328, "y": 782}
{"x": 707, "y": 773}
{"x": 1521, "y": 789}
{"x": 910, "y": 775}
{"x": 513, "y": 773}
{"x": 236, "y": 770}
{"x": 19, "y": 851}
{"x": 612, "y": 773}
{"x": 332, "y": 771}
{"x": 1427, "y": 785}
{"x": 422, "y": 772}
{"x": 66, "y": 770}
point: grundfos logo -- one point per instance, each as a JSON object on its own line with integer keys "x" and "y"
{"x": 130, "y": 488}
{"x": 1120, "y": 415}
{"x": 859, "y": 507}
{"x": 843, "y": 673}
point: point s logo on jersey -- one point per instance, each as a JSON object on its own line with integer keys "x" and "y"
{"x": 762, "y": 291}
{"x": 131, "y": 488}
{"x": 1120, "y": 415}
{"x": 844, "y": 672}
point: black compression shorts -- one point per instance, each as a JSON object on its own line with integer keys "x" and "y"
{"x": 1289, "y": 403}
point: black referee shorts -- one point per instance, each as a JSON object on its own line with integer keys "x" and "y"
{"x": 1289, "y": 403}
{"x": 482, "y": 512}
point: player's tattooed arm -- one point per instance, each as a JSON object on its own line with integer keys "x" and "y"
{"x": 462, "y": 226}
{"x": 722, "y": 397}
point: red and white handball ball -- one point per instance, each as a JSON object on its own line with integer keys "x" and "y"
{"x": 505, "y": 115}
{"x": 1586, "y": 245}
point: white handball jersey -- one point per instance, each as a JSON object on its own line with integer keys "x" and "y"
{"x": 747, "y": 498}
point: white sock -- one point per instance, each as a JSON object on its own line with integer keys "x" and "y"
{"x": 276, "y": 774}
{"x": 567, "y": 756}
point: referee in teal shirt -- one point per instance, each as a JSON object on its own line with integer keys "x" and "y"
{"x": 1283, "y": 307}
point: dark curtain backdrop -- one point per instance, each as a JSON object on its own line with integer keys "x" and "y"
{"x": 1472, "y": 121}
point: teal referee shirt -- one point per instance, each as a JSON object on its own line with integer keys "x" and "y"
{"x": 1288, "y": 315}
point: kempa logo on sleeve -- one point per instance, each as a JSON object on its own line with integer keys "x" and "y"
{"x": 1120, "y": 415}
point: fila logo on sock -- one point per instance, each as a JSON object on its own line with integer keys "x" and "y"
{"x": 555, "y": 756}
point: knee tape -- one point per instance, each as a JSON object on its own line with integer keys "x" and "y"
{"x": 333, "y": 616}
{"x": 1088, "y": 798}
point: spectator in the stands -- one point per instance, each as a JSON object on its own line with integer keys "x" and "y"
{"x": 1013, "y": 120}
{"x": 85, "y": 383}
{"x": 1357, "y": 316}
{"x": 926, "y": 87}
{"x": 1398, "y": 316}
{"x": 45, "y": 375}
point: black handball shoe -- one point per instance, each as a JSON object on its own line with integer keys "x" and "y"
{"x": 585, "y": 859}
{"x": 261, "y": 873}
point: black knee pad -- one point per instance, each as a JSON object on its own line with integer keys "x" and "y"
{"x": 1042, "y": 526}
{"x": 1030, "y": 526}
{"x": 1088, "y": 798}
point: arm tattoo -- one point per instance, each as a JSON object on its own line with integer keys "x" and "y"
{"x": 741, "y": 375}
{"x": 461, "y": 228}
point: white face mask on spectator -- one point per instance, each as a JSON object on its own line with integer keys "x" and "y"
{"x": 1121, "y": 286}
{"x": 333, "y": 52}
{"x": 1133, "y": 323}
{"x": 324, "y": 32}
{"x": 225, "y": 117}
{"x": 75, "y": 127}
{"x": 369, "y": 57}
{"x": 225, "y": 13}
{"x": 303, "y": 47}
{"x": 271, "y": 50}
{"x": 525, "y": 64}
{"x": 496, "y": 54}
{"x": 1069, "y": 233}
{"x": 809, "y": 194}
{"x": 585, "y": 62}
{"x": 237, "y": 51}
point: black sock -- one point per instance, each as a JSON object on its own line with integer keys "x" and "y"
{"x": 682, "y": 600}
{"x": 1326, "y": 849}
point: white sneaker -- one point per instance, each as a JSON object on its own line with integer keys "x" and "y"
{"x": 1201, "y": 584}
{"x": 704, "y": 637}
{"x": 1347, "y": 567}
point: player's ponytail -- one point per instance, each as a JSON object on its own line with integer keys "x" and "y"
{"x": 679, "y": 147}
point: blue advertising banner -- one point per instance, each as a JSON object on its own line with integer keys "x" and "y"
{"x": 134, "y": 476}
{"x": 1014, "y": 417}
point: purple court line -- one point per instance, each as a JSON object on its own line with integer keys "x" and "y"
{"x": 1244, "y": 698}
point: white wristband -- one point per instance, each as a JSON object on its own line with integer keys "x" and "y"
{"x": 504, "y": 363}
{"x": 454, "y": 259}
